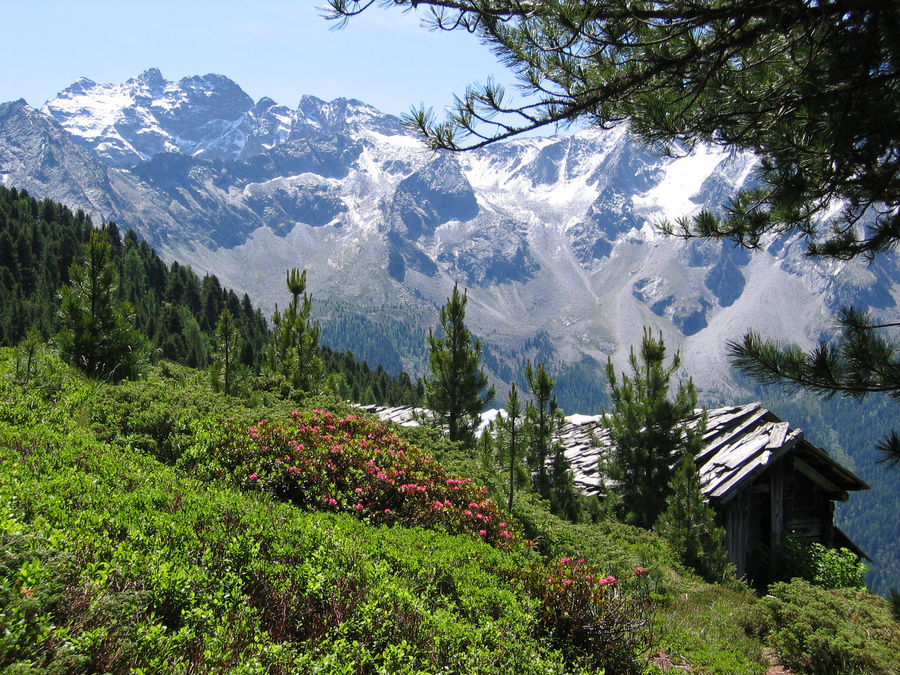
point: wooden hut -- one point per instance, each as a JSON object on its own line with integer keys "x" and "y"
{"x": 760, "y": 474}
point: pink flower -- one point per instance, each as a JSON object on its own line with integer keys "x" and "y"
{"x": 502, "y": 526}
{"x": 640, "y": 571}
{"x": 359, "y": 507}
{"x": 254, "y": 477}
{"x": 567, "y": 582}
{"x": 528, "y": 542}
{"x": 468, "y": 513}
{"x": 482, "y": 532}
{"x": 358, "y": 490}
{"x": 506, "y": 535}
{"x": 294, "y": 414}
{"x": 387, "y": 510}
{"x": 565, "y": 561}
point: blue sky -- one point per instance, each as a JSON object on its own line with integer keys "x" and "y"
{"x": 281, "y": 49}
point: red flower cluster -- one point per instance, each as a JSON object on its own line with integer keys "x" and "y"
{"x": 356, "y": 465}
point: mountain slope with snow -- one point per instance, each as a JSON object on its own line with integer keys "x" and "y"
{"x": 554, "y": 238}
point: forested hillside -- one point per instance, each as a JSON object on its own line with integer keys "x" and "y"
{"x": 172, "y": 306}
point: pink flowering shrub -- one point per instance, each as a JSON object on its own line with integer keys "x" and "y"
{"x": 593, "y": 617}
{"x": 351, "y": 464}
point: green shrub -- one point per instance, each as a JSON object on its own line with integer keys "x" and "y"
{"x": 830, "y": 631}
{"x": 351, "y": 464}
{"x": 818, "y": 564}
{"x": 112, "y": 561}
{"x": 594, "y": 618}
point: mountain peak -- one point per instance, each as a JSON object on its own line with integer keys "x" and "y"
{"x": 151, "y": 77}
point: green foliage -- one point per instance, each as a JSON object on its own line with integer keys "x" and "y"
{"x": 111, "y": 561}
{"x": 594, "y": 618}
{"x": 98, "y": 335}
{"x": 293, "y": 351}
{"x": 353, "y": 465}
{"x": 689, "y": 523}
{"x": 356, "y": 381}
{"x": 513, "y": 423}
{"x": 838, "y": 631}
{"x": 176, "y": 309}
{"x": 27, "y": 353}
{"x": 819, "y": 564}
{"x": 861, "y": 361}
{"x": 540, "y": 415}
{"x": 454, "y": 392}
{"x": 226, "y": 372}
{"x": 647, "y": 432}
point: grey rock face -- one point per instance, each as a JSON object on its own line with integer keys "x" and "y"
{"x": 432, "y": 196}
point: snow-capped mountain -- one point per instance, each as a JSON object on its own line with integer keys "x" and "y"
{"x": 553, "y": 237}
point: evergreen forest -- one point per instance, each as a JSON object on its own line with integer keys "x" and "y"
{"x": 171, "y": 305}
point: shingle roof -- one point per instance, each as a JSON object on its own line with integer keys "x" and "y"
{"x": 740, "y": 443}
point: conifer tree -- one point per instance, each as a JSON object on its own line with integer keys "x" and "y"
{"x": 454, "y": 395}
{"x": 543, "y": 419}
{"x": 226, "y": 365}
{"x": 98, "y": 335}
{"x": 540, "y": 415}
{"x": 26, "y": 356}
{"x": 294, "y": 346}
{"x": 688, "y": 522}
{"x": 646, "y": 431}
{"x": 514, "y": 426}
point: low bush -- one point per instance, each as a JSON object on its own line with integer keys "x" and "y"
{"x": 350, "y": 464}
{"x": 818, "y": 564}
{"x": 594, "y": 618}
{"x": 829, "y": 631}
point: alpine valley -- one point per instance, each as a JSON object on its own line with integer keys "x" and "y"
{"x": 555, "y": 239}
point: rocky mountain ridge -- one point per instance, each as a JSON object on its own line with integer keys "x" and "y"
{"x": 553, "y": 237}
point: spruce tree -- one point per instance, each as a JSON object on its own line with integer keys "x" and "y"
{"x": 543, "y": 420}
{"x": 454, "y": 394}
{"x": 646, "y": 431}
{"x": 540, "y": 415}
{"x": 98, "y": 335}
{"x": 226, "y": 366}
